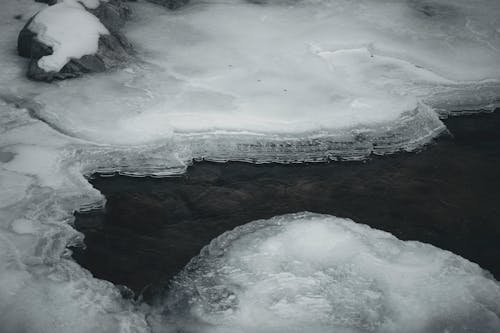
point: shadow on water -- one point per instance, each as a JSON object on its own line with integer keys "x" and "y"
{"x": 446, "y": 195}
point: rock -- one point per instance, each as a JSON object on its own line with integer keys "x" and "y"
{"x": 171, "y": 4}
{"x": 26, "y": 40}
{"x": 48, "y": 2}
{"x": 113, "y": 48}
{"x": 111, "y": 54}
{"x": 113, "y": 14}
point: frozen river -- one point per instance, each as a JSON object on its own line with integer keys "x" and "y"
{"x": 249, "y": 81}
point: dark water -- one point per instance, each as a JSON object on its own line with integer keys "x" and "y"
{"x": 447, "y": 195}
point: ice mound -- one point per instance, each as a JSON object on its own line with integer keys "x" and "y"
{"x": 317, "y": 273}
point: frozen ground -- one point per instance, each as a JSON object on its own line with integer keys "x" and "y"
{"x": 285, "y": 81}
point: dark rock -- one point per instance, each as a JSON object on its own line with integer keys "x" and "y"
{"x": 445, "y": 195}
{"x": 113, "y": 49}
{"x": 26, "y": 41}
{"x": 48, "y": 2}
{"x": 38, "y": 74}
{"x": 112, "y": 14}
{"x": 112, "y": 53}
{"x": 171, "y": 4}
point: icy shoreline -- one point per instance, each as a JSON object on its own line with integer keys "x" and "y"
{"x": 304, "y": 97}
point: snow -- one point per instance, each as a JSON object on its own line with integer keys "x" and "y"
{"x": 317, "y": 273}
{"x": 70, "y": 30}
{"x": 285, "y": 81}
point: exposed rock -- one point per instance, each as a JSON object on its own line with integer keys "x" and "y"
{"x": 171, "y": 4}
{"x": 446, "y": 195}
{"x": 26, "y": 41}
{"x": 113, "y": 14}
{"x": 113, "y": 48}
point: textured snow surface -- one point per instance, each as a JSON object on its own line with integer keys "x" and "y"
{"x": 285, "y": 81}
{"x": 317, "y": 273}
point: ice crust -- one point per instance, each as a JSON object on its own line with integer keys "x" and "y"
{"x": 280, "y": 81}
{"x": 317, "y": 273}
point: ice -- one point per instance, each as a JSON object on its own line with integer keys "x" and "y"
{"x": 69, "y": 30}
{"x": 92, "y": 4}
{"x": 24, "y": 226}
{"x": 316, "y": 273}
{"x": 262, "y": 81}
{"x": 41, "y": 288}
{"x": 288, "y": 73}
{"x": 56, "y": 298}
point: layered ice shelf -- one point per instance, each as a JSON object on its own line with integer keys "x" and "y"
{"x": 259, "y": 81}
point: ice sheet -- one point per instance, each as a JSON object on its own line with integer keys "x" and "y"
{"x": 287, "y": 70}
{"x": 285, "y": 81}
{"x": 317, "y": 273}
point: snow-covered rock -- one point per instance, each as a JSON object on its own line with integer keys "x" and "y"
{"x": 69, "y": 38}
